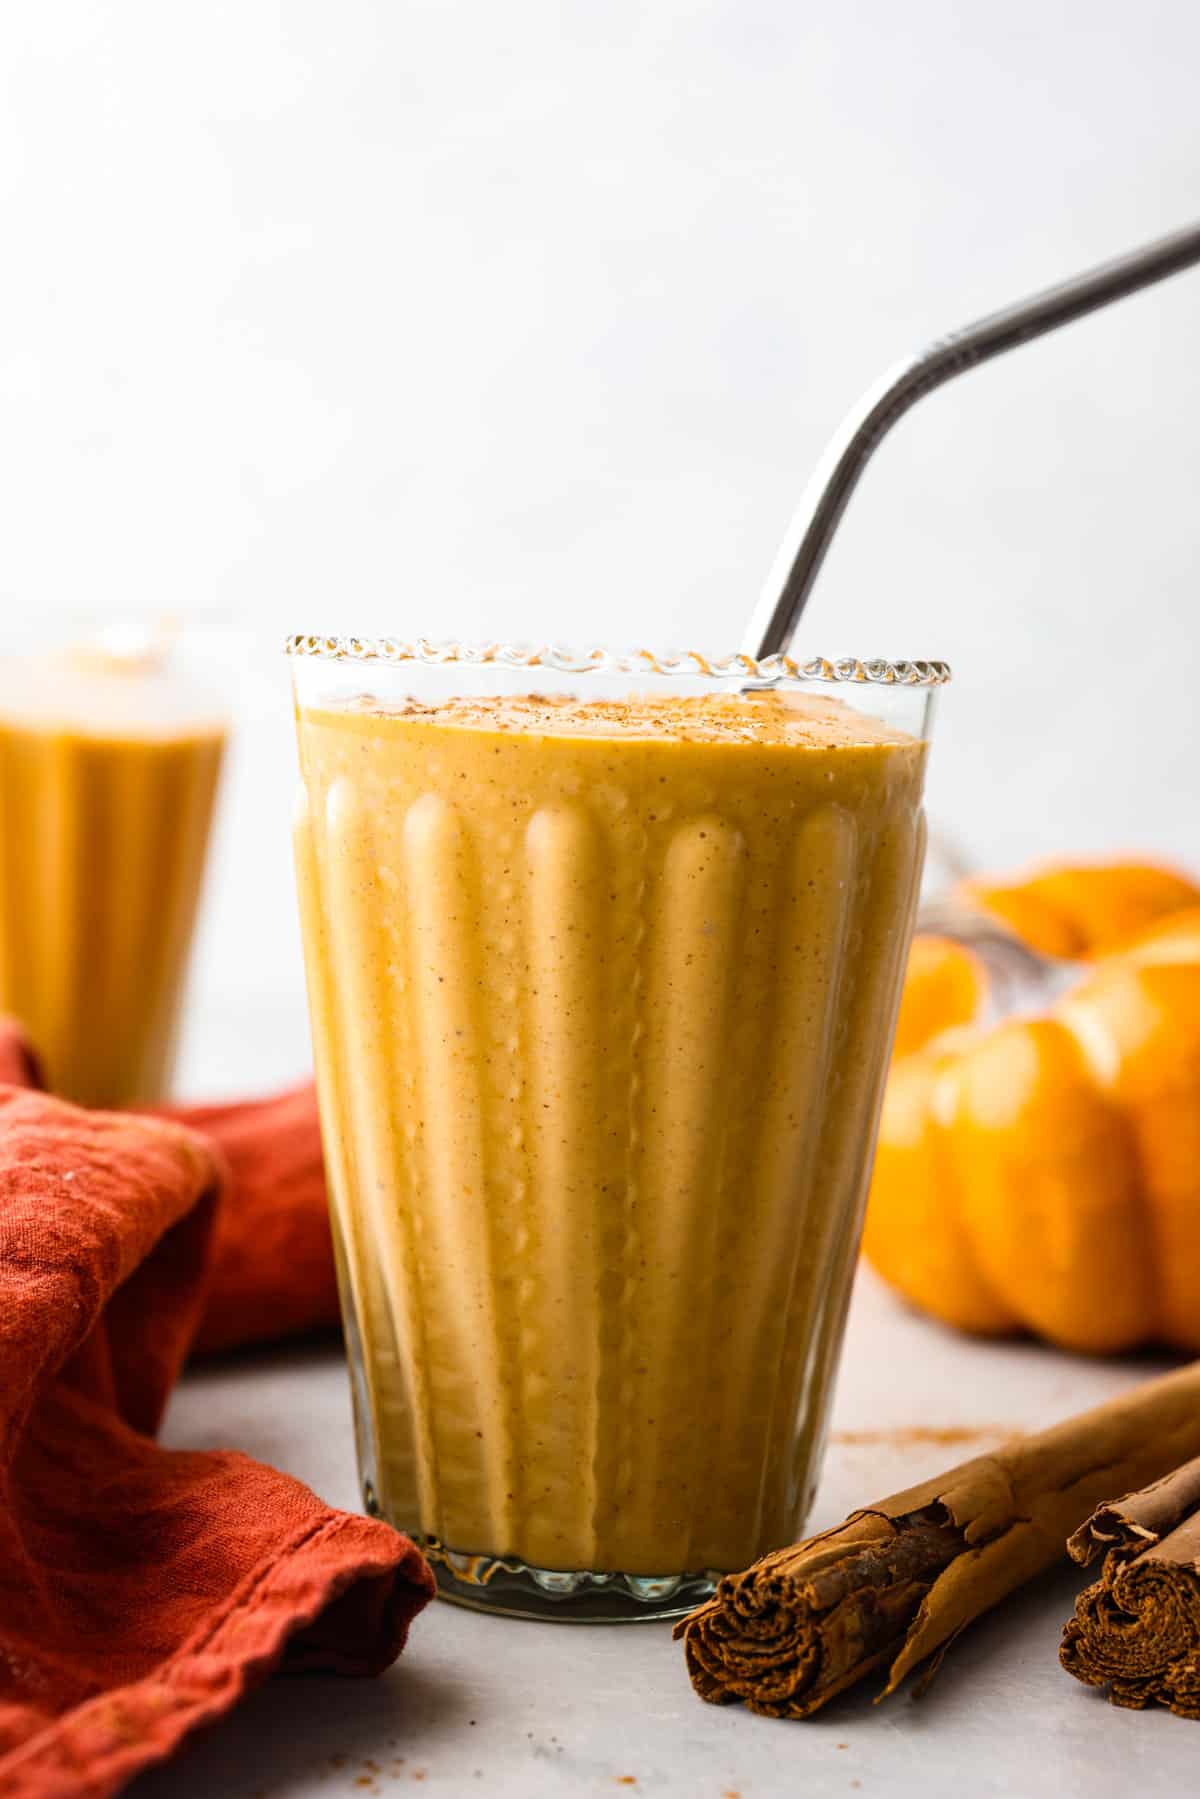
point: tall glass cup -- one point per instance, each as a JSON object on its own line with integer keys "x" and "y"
{"x": 110, "y": 753}
{"x": 603, "y": 955}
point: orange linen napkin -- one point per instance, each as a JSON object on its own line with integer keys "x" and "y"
{"x": 273, "y": 1272}
{"x": 143, "y": 1591}
{"x": 18, "y": 1064}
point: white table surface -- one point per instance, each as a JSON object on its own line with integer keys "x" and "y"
{"x": 534, "y": 1711}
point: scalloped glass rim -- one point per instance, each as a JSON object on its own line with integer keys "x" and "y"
{"x": 775, "y": 669}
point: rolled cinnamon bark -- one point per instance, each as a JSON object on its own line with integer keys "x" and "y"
{"x": 894, "y": 1583}
{"x": 1136, "y": 1630}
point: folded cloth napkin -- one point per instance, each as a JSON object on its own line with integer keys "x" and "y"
{"x": 273, "y": 1273}
{"x": 142, "y": 1590}
{"x": 18, "y": 1064}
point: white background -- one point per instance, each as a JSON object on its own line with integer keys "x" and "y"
{"x": 531, "y": 319}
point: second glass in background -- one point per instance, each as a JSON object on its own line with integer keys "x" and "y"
{"x": 109, "y": 762}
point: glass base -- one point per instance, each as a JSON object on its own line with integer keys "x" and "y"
{"x": 512, "y": 1589}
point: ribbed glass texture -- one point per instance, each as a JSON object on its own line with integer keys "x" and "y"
{"x": 601, "y": 1027}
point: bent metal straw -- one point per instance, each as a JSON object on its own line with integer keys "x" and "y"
{"x": 773, "y": 624}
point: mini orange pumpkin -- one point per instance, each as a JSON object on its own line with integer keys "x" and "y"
{"x": 1043, "y": 1173}
{"x": 944, "y": 985}
{"x": 1077, "y": 910}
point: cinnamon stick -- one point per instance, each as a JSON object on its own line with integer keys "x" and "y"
{"x": 894, "y": 1583}
{"x": 1136, "y": 1630}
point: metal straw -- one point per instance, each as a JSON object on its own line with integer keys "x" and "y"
{"x": 825, "y": 499}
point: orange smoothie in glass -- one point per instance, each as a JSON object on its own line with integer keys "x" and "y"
{"x": 602, "y": 993}
{"x": 108, "y": 771}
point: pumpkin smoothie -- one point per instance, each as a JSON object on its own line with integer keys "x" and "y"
{"x": 602, "y": 995}
{"x": 108, "y": 770}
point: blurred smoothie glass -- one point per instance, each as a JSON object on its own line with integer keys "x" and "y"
{"x": 604, "y": 955}
{"x": 109, "y": 758}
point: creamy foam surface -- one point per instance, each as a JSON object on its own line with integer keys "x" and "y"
{"x": 805, "y": 720}
{"x": 95, "y": 694}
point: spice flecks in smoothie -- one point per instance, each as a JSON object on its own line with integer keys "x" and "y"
{"x": 603, "y": 993}
{"x": 802, "y": 720}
